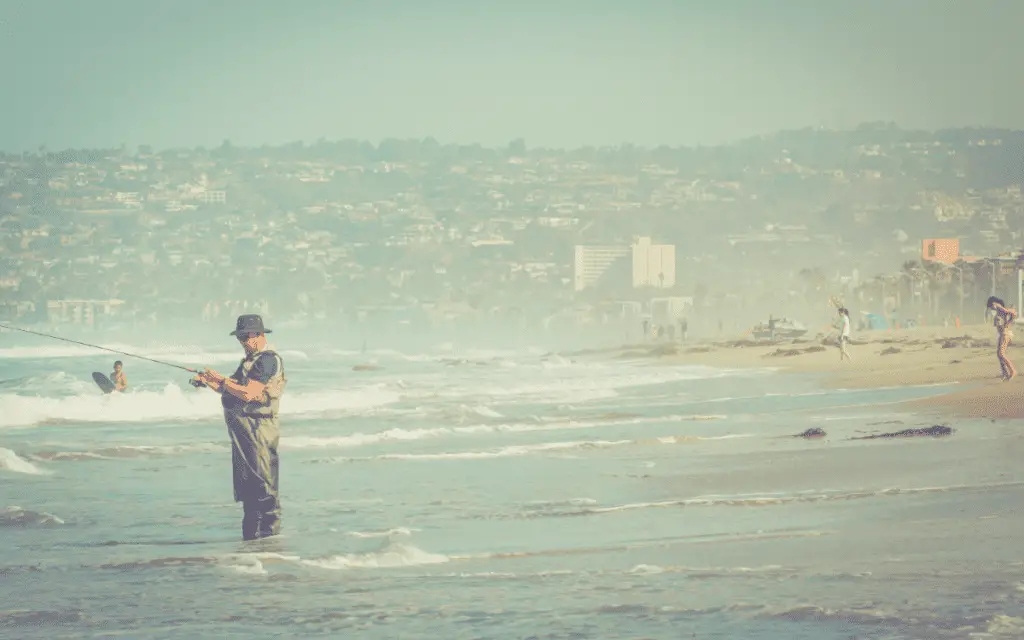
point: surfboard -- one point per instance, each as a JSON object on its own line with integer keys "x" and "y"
{"x": 103, "y": 382}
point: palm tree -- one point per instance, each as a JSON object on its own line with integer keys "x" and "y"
{"x": 938, "y": 283}
{"x": 921, "y": 280}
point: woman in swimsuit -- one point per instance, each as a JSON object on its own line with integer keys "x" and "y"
{"x": 1003, "y": 323}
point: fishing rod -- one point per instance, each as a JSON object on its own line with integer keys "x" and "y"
{"x": 86, "y": 344}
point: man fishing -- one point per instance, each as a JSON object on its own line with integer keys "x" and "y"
{"x": 251, "y": 398}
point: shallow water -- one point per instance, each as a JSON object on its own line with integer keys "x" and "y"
{"x": 489, "y": 494}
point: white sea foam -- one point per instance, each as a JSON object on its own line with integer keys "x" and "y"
{"x": 528, "y": 449}
{"x": 171, "y": 403}
{"x": 584, "y": 384}
{"x": 355, "y": 440}
{"x": 15, "y": 516}
{"x": 57, "y": 380}
{"x": 777, "y": 499}
{"x": 469, "y": 394}
{"x": 130, "y": 451}
{"x": 390, "y": 533}
{"x": 10, "y": 461}
{"x": 504, "y": 452}
{"x": 167, "y": 352}
{"x": 398, "y": 435}
{"x": 393, "y": 555}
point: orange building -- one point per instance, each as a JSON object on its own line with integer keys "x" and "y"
{"x": 940, "y": 250}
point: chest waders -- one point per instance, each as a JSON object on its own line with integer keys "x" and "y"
{"x": 255, "y": 434}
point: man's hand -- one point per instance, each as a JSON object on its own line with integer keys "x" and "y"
{"x": 211, "y": 376}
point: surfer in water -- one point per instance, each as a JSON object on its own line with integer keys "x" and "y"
{"x": 118, "y": 378}
{"x": 250, "y": 398}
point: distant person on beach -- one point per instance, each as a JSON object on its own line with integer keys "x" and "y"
{"x": 251, "y": 399}
{"x": 684, "y": 327}
{"x": 843, "y": 327}
{"x": 118, "y": 378}
{"x": 1003, "y": 323}
{"x": 647, "y": 329}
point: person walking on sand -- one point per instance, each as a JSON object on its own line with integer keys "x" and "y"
{"x": 843, "y": 326}
{"x": 1003, "y": 323}
{"x": 251, "y": 399}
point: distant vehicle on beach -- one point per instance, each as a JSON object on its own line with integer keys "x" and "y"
{"x": 784, "y": 328}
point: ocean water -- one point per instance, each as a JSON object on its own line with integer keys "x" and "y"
{"x": 486, "y": 494}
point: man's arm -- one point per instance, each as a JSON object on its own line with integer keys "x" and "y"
{"x": 251, "y": 390}
{"x": 1010, "y": 311}
{"x": 255, "y": 385}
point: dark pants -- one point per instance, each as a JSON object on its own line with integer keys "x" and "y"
{"x": 1004, "y": 362}
{"x": 255, "y": 469}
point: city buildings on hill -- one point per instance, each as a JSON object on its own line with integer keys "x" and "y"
{"x": 453, "y": 232}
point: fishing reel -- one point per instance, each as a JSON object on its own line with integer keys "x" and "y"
{"x": 198, "y": 384}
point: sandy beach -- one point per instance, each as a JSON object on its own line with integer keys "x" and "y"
{"x": 963, "y": 356}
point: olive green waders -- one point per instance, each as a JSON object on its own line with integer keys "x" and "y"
{"x": 254, "y": 441}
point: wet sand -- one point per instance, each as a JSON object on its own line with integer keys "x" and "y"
{"x": 911, "y": 357}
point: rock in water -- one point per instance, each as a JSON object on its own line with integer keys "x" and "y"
{"x": 815, "y": 432}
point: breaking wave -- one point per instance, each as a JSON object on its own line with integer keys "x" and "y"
{"x": 528, "y": 449}
{"x": 18, "y": 517}
{"x": 129, "y": 451}
{"x": 171, "y": 403}
{"x": 582, "y": 384}
{"x": 10, "y": 461}
{"x": 391, "y": 555}
{"x": 395, "y": 554}
{"x": 754, "y": 500}
{"x": 355, "y": 440}
{"x": 398, "y": 435}
{"x": 177, "y": 353}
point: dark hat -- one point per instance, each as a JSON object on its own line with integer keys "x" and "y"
{"x": 249, "y": 323}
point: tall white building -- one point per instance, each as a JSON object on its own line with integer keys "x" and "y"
{"x": 654, "y": 265}
{"x": 593, "y": 261}
{"x": 80, "y": 311}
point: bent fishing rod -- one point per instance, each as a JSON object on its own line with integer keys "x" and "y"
{"x": 94, "y": 346}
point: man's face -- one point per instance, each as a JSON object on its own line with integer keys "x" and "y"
{"x": 117, "y": 368}
{"x": 250, "y": 341}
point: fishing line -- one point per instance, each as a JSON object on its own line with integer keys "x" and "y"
{"x": 86, "y": 344}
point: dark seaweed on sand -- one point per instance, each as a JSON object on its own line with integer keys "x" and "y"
{"x": 933, "y": 431}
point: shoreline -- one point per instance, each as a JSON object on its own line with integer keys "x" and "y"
{"x": 924, "y": 356}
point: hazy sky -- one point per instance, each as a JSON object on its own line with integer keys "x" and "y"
{"x": 557, "y": 72}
